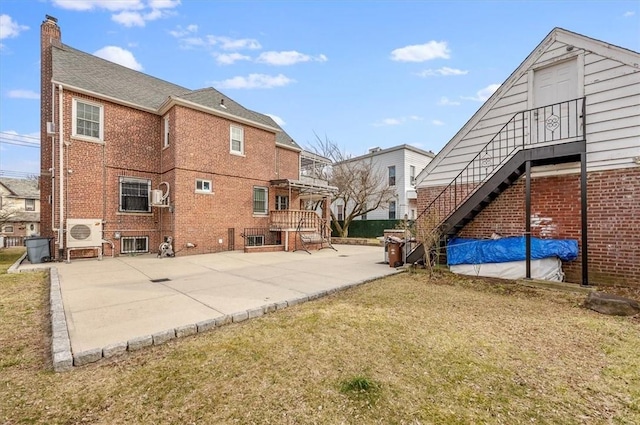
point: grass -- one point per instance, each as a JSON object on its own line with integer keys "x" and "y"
{"x": 408, "y": 349}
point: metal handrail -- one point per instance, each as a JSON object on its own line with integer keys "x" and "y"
{"x": 559, "y": 122}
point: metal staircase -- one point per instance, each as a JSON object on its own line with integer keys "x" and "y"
{"x": 546, "y": 135}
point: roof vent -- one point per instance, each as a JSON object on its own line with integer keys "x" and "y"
{"x": 222, "y": 104}
{"x": 374, "y": 150}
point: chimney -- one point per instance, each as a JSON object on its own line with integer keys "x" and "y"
{"x": 50, "y": 32}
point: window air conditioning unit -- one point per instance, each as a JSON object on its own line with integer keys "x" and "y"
{"x": 157, "y": 197}
{"x": 84, "y": 232}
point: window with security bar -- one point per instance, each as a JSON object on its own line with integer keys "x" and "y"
{"x": 134, "y": 244}
{"x": 134, "y": 195}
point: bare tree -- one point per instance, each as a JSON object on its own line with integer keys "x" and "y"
{"x": 6, "y": 214}
{"x": 362, "y": 185}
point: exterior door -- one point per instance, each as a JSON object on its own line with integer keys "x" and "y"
{"x": 552, "y": 86}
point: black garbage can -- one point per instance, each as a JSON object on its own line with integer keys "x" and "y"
{"x": 38, "y": 249}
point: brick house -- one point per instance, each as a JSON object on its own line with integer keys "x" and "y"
{"x": 19, "y": 210}
{"x": 128, "y": 160}
{"x": 569, "y": 118}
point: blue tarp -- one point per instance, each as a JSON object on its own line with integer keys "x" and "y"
{"x": 479, "y": 251}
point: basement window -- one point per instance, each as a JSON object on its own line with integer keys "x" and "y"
{"x": 255, "y": 240}
{"x": 134, "y": 244}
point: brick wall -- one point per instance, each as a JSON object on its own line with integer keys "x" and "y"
{"x": 613, "y": 210}
{"x": 199, "y": 148}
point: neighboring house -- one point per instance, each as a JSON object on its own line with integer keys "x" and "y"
{"x": 398, "y": 166}
{"x": 570, "y": 112}
{"x": 19, "y": 209}
{"x": 129, "y": 160}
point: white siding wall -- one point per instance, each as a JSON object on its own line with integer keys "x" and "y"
{"x": 402, "y": 159}
{"x": 612, "y": 91}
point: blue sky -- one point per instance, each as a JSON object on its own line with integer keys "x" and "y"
{"x": 362, "y": 73}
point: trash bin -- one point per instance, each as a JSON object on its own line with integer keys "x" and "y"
{"x": 38, "y": 249}
{"x": 395, "y": 251}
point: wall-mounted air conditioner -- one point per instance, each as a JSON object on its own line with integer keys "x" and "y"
{"x": 157, "y": 197}
{"x": 84, "y": 232}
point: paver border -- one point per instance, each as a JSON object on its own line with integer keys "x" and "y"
{"x": 64, "y": 359}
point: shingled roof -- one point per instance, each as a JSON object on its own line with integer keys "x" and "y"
{"x": 21, "y": 188}
{"x": 76, "y": 69}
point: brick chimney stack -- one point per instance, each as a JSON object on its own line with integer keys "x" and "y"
{"x": 49, "y": 36}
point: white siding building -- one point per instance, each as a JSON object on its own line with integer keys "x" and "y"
{"x": 399, "y": 165}
{"x": 569, "y": 117}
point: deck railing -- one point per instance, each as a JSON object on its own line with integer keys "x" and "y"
{"x": 552, "y": 124}
{"x": 292, "y": 219}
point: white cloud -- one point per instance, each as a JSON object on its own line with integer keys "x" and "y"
{"x": 119, "y": 56}
{"x": 437, "y": 122}
{"x": 483, "y": 94}
{"x": 285, "y": 58}
{"x": 163, "y": 4}
{"x": 442, "y": 72}
{"x": 629, "y": 14}
{"x": 230, "y": 58}
{"x": 10, "y": 28}
{"x": 129, "y": 19}
{"x": 226, "y": 43}
{"x": 421, "y": 52}
{"x": 445, "y": 101}
{"x": 277, "y": 119}
{"x": 182, "y": 32}
{"x": 255, "y": 81}
{"x": 23, "y": 94}
{"x": 396, "y": 121}
{"x": 130, "y": 13}
{"x": 110, "y": 5}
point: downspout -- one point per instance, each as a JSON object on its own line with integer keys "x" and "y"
{"x": 52, "y": 170}
{"x": 61, "y": 171}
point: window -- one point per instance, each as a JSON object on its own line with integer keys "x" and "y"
{"x": 260, "y": 203}
{"x": 87, "y": 119}
{"x": 364, "y": 216}
{"x": 129, "y": 245}
{"x": 392, "y": 175}
{"x": 203, "y": 185}
{"x": 166, "y": 132}
{"x": 413, "y": 214}
{"x": 282, "y": 202}
{"x": 340, "y": 212}
{"x": 29, "y": 204}
{"x": 255, "y": 240}
{"x": 392, "y": 210}
{"x": 8, "y": 228}
{"x": 412, "y": 174}
{"x": 134, "y": 194}
{"x": 237, "y": 140}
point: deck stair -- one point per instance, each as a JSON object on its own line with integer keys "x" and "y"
{"x": 548, "y": 135}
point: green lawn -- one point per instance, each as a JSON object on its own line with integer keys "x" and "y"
{"x": 407, "y": 349}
